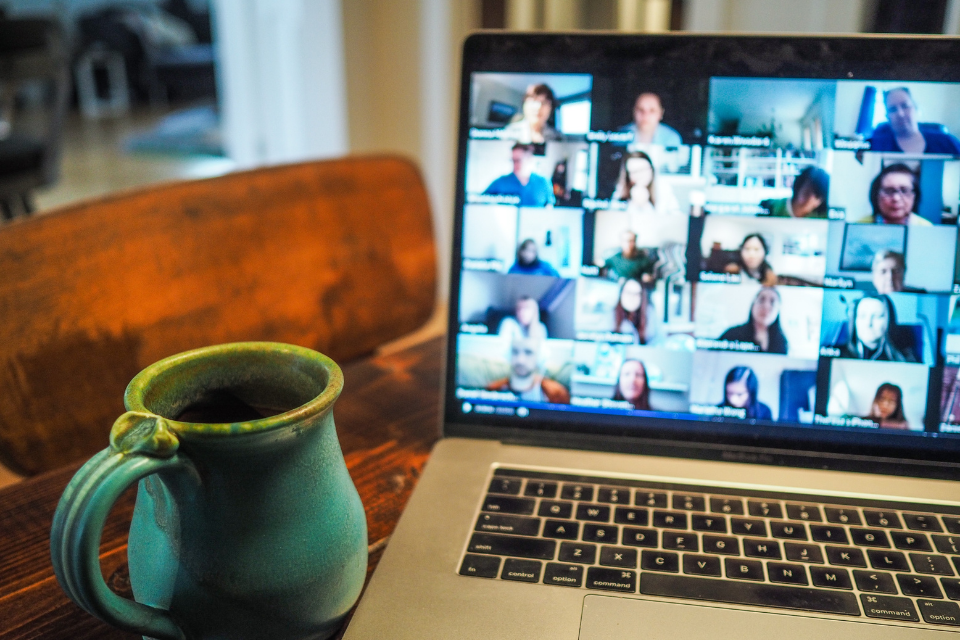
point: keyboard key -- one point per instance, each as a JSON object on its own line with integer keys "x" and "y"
{"x": 846, "y": 556}
{"x": 503, "y": 504}
{"x": 613, "y": 495}
{"x": 680, "y": 541}
{"x": 521, "y": 570}
{"x": 659, "y": 561}
{"x": 580, "y": 492}
{"x": 910, "y": 541}
{"x": 689, "y": 502}
{"x": 931, "y": 564}
{"x": 562, "y": 529}
{"x": 951, "y": 587}
{"x": 564, "y": 575}
{"x": 874, "y": 581}
{"x": 952, "y": 524}
{"x": 670, "y": 519}
{"x": 924, "y": 586}
{"x": 889, "y": 607}
{"x": 577, "y": 552}
{"x": 803, "y": 552}
{"x": 549, "y": 509}
{"x": 701, "y": 565}
{"x": 600, "y": 533}
{"x": 508, "y": 486}
{"x": 650, "y": 499}
{"x": 480, "y": 566}
{"x": 745, "y": 527}
{"x": 933, "y": 612}
{"x": 593, "y": 512}
{"x": 512, "y": 546}
{"x": 612, "y": 579}
{"x": 922, "y": 522}
{"x": 824, "y": 533}
{"x": 749, "y": 593}
{"x": 830, "y": 578}
{"x": 731, "y": 506}
{"x": 636, "y": 517}
{"x": 743, "y": 569}
{"x": 888, "y": 560}
{"x": 869, "y": 537}
{"x": 787, "y": 573}
{"x": 886, "y": 519}
{"x": 788, "y": 530}
{"x": 842, "y": 516}
{"x": 618, "y": 557}
{"x": 762, "y": 509}
{"x": 724, "y": 545}
{"x": 947, "y": 544}
{"x": 805, "y": 512}
{"x": 761, "y": 548}
{"x": 709, "y": 523}
{"x": 637, "y": 537}
{"x": 517, "y": 525}
{"x": 539, "y": 489}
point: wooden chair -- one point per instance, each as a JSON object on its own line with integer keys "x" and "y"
{"x": 335, "y": 255}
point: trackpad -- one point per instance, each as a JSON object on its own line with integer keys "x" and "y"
{"x": 613, "y": 618}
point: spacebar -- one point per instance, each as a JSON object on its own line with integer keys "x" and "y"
{"x": 749, "y": 593}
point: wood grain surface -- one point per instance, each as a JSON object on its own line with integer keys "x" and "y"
{"x": 387, "y": 420}
{"x": 337, "y": 256}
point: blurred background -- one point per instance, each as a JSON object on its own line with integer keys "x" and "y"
{"x": 102, "y": 95}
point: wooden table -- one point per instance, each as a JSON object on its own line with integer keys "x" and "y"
{"x": 387, "y": 420}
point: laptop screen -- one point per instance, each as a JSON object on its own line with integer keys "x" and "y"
{"x": 717, "y": 239}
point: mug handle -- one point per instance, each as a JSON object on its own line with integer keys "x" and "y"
{"x": 141, "y": 444}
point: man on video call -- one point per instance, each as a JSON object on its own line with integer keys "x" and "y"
{"x": 534, "y": 190}
{"x": 525, "y": 378}
{"x": 631, "y": 261}
{"x": 647, "y": 125}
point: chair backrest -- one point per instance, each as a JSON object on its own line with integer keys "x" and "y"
{"x": 337, "y": 255}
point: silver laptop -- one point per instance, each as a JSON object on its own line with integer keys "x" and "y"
{"x": 704, "y": 347}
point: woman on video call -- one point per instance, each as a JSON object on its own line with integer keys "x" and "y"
{"x": 632, "y": 314}
{"x": 740, "y": 390}
{"x": 529, "y": 263}
{"x": 637, "y": 185}
{"x": 895, "y": 196}
{"x": 872, "y": 327}
{"x": 887, "y": 407}
{"x": 762, "y": 328}
{"x": 752, "y": 261}
{"x": 632, "y": 385}
{"x": 536, "y": 113}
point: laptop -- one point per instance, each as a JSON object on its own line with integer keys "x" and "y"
{"x": 704, "y": 346}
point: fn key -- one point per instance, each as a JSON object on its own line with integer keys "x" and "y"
{"x": 480, "y": 566}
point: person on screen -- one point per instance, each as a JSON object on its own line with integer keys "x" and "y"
{"x": 631, "y": 315}
{"x": 887, "y": 407}
{"x": 902, "y": 131}
{"x": 751, "y": 262}
{"x": 529, "y": 263}
{"x": 873, "y": 323}
{"x": 740, "y": 390}
{"x": 762, "y": 328}
{"x": 631, "y": 261}
{"x": 809, "y": 199}
{"x": 637, "y": 186}
{"x": 525, "y": 323}
{"x": 895, "y": 196}
{"x": 536, "y": 115}
{"x": 525, "y": 379}
{"x": 888, "y": 271}
{"x": 533, "y": 189}
{"x": 632, "y": 385}
{"x": 647, "y": 126}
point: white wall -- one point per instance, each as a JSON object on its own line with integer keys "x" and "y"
{"x": 811, "y": 16}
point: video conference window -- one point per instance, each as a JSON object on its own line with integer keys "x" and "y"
{"x": 616, "y": 376}
{"x": 527, "y": 175}
{"x": 530, "y": 107}
{"x": 768, "y": 251}
{"x": 524, "y": 369}
{"x": 753, "y": 387}
{"x": 523, "y": 241}
{"x": 536, "y": 306}
{"x": 891, "y": 258}
{"x": 885, "y": 395}
{"x": 752, "y": 317}
{"x": 895, "y": 189}
{"x": 908, "y": 117}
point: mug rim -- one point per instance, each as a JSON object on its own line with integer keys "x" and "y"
{"x": 133, "y": 397}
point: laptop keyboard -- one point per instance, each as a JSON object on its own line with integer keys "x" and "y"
{"x": 850, "y": 557}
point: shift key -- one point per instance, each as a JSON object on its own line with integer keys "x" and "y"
{"x": 512, "y": 546}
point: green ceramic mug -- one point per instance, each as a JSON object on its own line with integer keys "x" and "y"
{"x": 247, "y": 524}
